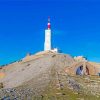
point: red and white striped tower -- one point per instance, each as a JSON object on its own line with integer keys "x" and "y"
{"x": 47, "y": 43}
{"x": 49, "y": 25}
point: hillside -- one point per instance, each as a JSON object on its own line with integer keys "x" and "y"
{"x": 43, "y": 77}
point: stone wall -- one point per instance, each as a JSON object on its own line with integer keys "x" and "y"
{"x": 72, "y": 69}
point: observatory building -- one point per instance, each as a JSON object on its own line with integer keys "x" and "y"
{"x": 48, "y": 40}
{"x": 47, "y": 43}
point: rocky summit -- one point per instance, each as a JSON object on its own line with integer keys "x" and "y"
{"x": 44, "y": 76}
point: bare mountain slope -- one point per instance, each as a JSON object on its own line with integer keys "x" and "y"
{"x": 18, "y": 73}
{"x": 43, "y": 77}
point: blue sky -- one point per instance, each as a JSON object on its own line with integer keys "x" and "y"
{"x": 75, "y": 27}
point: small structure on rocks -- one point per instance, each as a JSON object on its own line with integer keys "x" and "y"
{"x": 82, "y": 67}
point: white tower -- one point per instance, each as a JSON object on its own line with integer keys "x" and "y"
{"x": 47, "y": 43}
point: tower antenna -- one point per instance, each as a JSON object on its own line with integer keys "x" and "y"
{"x": 49, "y": 25}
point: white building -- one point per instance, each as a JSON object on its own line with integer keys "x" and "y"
{"x": 47, "y": 43}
